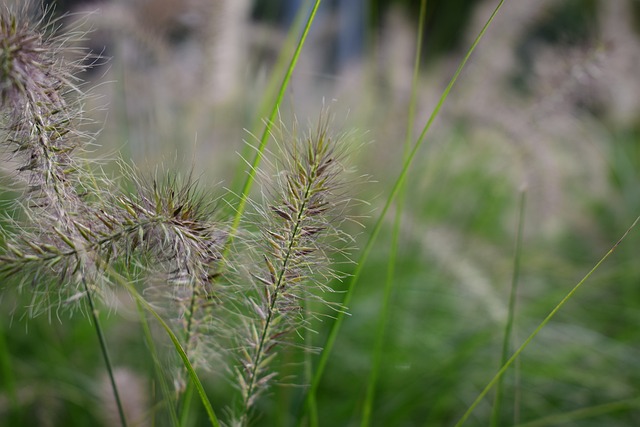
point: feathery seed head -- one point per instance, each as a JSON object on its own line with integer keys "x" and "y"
{"x": 174, "y": 221}
{"x": 39, "y": 117}
{"x": 303, "y": 206}
{"x": 38, "y": 120}
{"x": 31, "y": 62}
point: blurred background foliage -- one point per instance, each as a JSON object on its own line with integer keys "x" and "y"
{"x": 549, "y": 103}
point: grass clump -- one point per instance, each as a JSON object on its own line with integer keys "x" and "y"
{"x": 78, "y": 238}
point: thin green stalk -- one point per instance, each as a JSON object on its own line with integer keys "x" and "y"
{"x": 308, "y": 367}
{"x": 506, "y": 342}
{"x": 272, "y": 90}
{"x": 583, "y": 413}
{"x": 156, "y": 363}
{"x": 308, "y": 364}
{"x": 386, "y": 301}
{"x": 185, "y": 360}
{"x": 174, "y": 340}
{"x": 267, "y": 129}
{"x": 382, "y": 322}
{"x": 546, "y": 320}
{"x": 185, "y": 407}
{"x": 333, "y": 334}
{"x": 105, "y": 352}
{"x": 273, "y": 87}
{"x": 517, "y": 393}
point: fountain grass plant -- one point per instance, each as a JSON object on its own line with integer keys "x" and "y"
{"x": 238, "y": 296}
{"x": 76, "y": 231}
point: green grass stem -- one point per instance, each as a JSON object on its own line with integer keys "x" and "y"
{"x": 274, "y": 86}
{"x": 386, "y": 301}
{"x": 186, "y": 404}
{"x": 308, "y": 370}
{"x": 185, "y": 360}
{"x": 105, "y": 352}
{"x": 213, "y": 419}
{"x": 289, "y": 47}
{"x": 506, "y": 342}
{"x": 157, "y": 365}
{"x": 246, "y": 189}
{"x": 542, "y": 324}
{"x": 333, "y": 334}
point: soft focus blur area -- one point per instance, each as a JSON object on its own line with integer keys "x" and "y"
{"x": 192, "y": 82}
{"x": 547, "y": 108}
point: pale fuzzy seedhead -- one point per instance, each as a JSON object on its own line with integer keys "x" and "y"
{"x": 34, "y": 59}
{"x": 304, "y": 203}
{"x": 41, "y": 120}
{"x": 176, "y": 238}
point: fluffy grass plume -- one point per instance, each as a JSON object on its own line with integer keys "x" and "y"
{"x": 79, "y": 236}
{"x": 42, "y": 121}
{"x": 299, "y": 226}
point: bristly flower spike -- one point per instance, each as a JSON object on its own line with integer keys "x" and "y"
{"x": 298, "y": 228}
{"x": 40, "y": 120}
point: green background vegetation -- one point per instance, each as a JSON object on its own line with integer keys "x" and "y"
{"x": 500, "y": 131}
